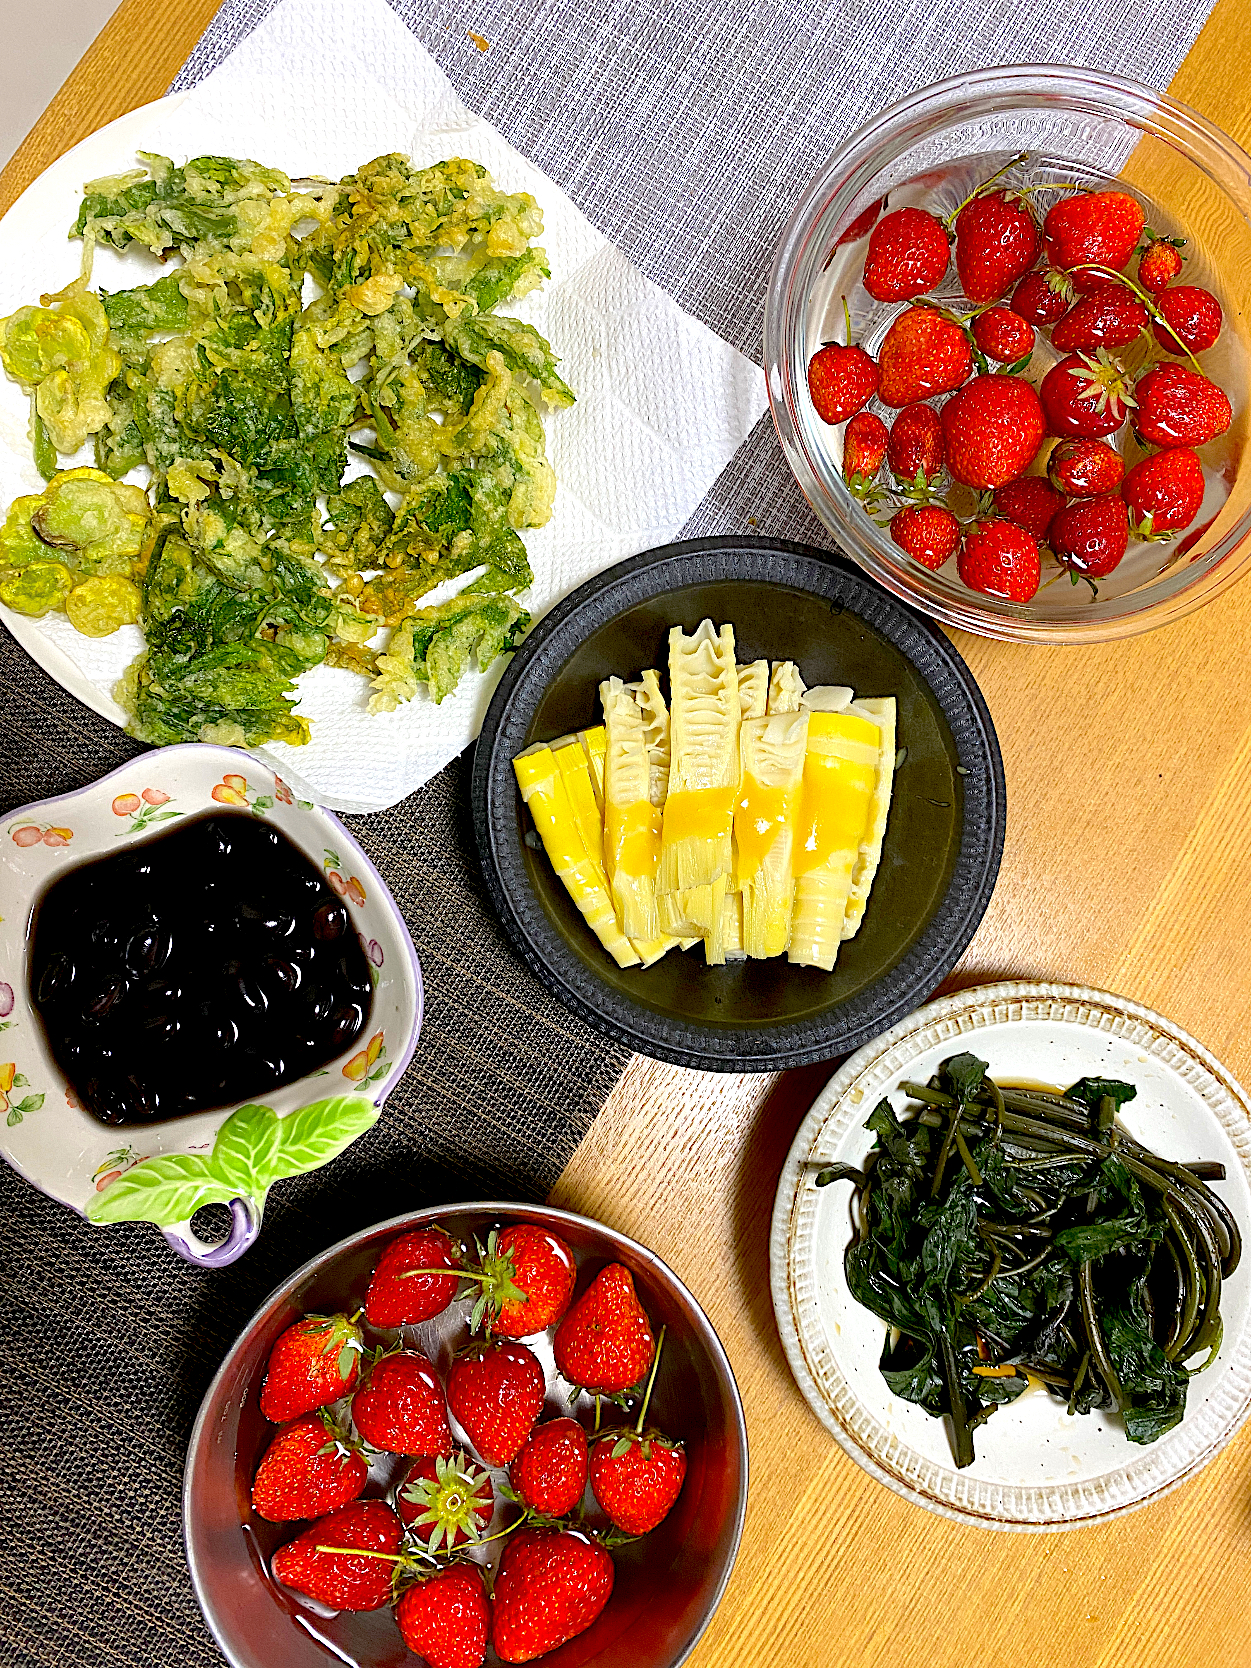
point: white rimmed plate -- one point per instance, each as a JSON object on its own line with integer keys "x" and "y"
{"x": 1036, "y": 1467}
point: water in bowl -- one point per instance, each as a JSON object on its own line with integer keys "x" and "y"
{"x": 941, "y": 191}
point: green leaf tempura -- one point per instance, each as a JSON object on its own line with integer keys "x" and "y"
{"x": 252, "y": 401}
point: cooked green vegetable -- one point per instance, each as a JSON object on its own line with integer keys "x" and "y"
{"x": 1010, "y": 1234}
{"x": 245, "y": 406}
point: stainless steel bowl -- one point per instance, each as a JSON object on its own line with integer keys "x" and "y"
{"x": 668, "y": 1584}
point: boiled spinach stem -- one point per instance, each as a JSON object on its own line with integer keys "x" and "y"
{"x": 963, "y": 1436}
{"x": 1098, "y": 1349}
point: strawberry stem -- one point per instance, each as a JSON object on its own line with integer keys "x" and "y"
{"x": 1148, "y": 302}
{"x": 978, "y": 191}
{"x": 651, "y": 1379}
{"x": 508, "y": 1528}
{"x": 365, "y": 1552}
{"x": 460, "y": 1273}
{"x": 847, "y": 320}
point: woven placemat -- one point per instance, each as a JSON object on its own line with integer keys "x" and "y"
{"x": 685, "y": 134}
{"x": 109, "y": 1341}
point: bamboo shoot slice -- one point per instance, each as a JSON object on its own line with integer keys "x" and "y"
{"x": 593, "y": 745}
{"x": 766, "y": 818}
{"x": 650, "y": 701}
{"x": 588, "y": 816}
{"x": 651, "y": 704}
{"x": 631, "y": 821}
{"x": 786, "y": 687}
{"x": 574, "y": 768}
{"x": 543, "y": 790}
{"x": 696, "y": 851}
{"x": 841, "y": 766}
{"x": 882, "y": 711}
{"x": 753, "y": 689}
{"x": 827, "y": 697}
{"x": 732, "y": 927}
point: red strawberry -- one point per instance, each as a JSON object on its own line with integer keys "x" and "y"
{"x": 1094, "y": 228}
{"x": 399, "y": 1295}
{"x": 841, "y": 380}
{"x": 496, "y": 1392}
{"x": 907, "y": 255}
{"x": 400, "y": 1409}
{"x": 924, "y": 352}
{"x": 1003, "y": 335}
{"x": 551, "y": 1586}
{"x": 549, "y": 1474}
{"x": 1178, "y": 407}
{"x": 1086, "y": 395}
{"x": 1109, "y": 318}
{"x": 636, "y": 1477}
{"x": 308, "y": 1470}
{"x": 991, "y": 430}
{"x": 1043, "y": 297}
{"x": 445, "y": 1501}
{"x": 1194, "y": 319}
{"x": 915, "y": 448}
{"x": 1164, "y": 492}
{"x": 1091, "y": 536}
{"x": 864, "y": 447}
{"x": 313, "y": 1363}
{"x": 996, "y": 241}
{"x": 1000, "y": 559}
{"x": 527, "y": 1275}
{"x": 1030, "y": 501}
{"x": 1160, "y": 261}
{"x": 1085, "y": 468}
{"x": 929, "y": 533}
{"x": 445, "y": 1618}
{"x": 862, "y": 225}
{"x": 336, "y": 1578}
{"x": 605, "y": 1342}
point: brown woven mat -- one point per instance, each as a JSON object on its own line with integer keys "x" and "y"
{"x": 109, "y": 1341}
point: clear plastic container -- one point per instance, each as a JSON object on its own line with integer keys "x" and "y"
{"x": 1079, "y": 127}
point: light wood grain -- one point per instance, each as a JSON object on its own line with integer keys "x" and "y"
{"x": 1129, "y": 794}
{"x": 1129, "y": 771}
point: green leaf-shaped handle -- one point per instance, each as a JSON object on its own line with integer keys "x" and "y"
{"x": 254, "y": 1148}
{"x": 161, "y": 1190}
{"x": 246, "y": 1151}
{"x": 317, "y": 1133}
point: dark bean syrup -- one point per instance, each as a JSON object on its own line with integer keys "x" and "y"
{"x": 202, "y": 968}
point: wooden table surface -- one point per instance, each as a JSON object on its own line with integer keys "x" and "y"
{"x": 1129, "y": 771}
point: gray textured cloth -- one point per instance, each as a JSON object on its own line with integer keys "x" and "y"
{"x": 685, "y": 133}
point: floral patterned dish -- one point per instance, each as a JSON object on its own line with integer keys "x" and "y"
{"x": 164, "y": 1172}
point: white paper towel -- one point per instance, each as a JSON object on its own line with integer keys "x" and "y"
{"x": 663, "y": 404}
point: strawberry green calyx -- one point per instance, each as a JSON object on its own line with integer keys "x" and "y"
{"x": 338, "y": 1442}
{"x": 451, "y": 1503}
{"x": 341, "y": 1336}
{"x": 1104, "y": 380}
{"x": 495, "y": 1274}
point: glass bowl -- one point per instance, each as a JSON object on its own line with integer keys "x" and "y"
{"x": 1079, "y": 127}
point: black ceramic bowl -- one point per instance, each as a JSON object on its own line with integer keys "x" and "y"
{"x": 943, "y": 840}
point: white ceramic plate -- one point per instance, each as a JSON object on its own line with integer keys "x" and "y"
{"x": 1036, "y": 1468}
